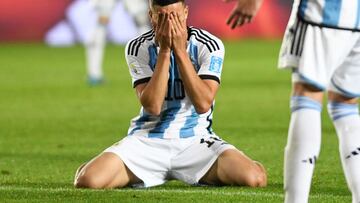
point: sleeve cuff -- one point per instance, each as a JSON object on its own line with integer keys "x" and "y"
{"x": 141, "y": 81}
{"x": 210, "y": 77}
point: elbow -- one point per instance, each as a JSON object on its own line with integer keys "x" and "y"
{"x": 153, "y": 110}
{"x": 202, "y": 108}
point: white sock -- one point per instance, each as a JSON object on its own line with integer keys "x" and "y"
{"x": 302, "y": 149}
{"x": 346, "y": 120}
{"x": 95, "y": 52}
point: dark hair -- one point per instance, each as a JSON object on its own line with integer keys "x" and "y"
{"x": 164, "y": 2}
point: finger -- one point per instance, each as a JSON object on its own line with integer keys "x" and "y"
{"x": 233, "y": 15}
{"x": 159, "y": 23}
{"x": 248, "y": 19}
{"x": 227, "y": 1}
{"x": 176, "y": 23}
{"x": 167, "y": 23}
{"x": 182, "y": 23}
{"x": 241, "y": 21}
{"x": 233, "y": 23}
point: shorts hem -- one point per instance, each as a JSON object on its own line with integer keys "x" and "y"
{"x": 299, "y": 77}
{"x": 288, "y": 62}
{"x": 342, "y": 91}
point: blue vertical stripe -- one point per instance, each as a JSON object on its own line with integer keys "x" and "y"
{"x": 331, "y": 12}
{"x": 358, "y": 15}
{"x": 172, "y": 108}
{"x": 302, "y": 7}
{"x": 191, "y": 122}
{"x": 153, "y": 56}
{"x": 194, "y": 55}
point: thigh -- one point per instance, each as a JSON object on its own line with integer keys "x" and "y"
{"x": 105, "y": 171}
{"x": 233, "y": 167}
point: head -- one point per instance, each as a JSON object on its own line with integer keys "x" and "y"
{"x": 167, "y": 6}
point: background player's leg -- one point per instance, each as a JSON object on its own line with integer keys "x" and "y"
{"x": 95, "y": 53}
{"x": 234, "y": 168}
{"x": 303, "y": 145}
{"x": 105, "y": 171}
{"x": 138, "y": 9}
{"x": 345, "y": 115}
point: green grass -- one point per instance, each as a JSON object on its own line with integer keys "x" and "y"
{"x": 51, "y": 122}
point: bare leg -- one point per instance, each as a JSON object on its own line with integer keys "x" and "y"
{"x": 105, "y": 171}
{"x": 234, "y": 168}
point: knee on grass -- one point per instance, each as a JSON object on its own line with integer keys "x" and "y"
{"x": 255, "y": 177}
{"x": 85, "y": 180}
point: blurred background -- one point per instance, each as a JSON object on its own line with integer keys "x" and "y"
{"x": 58, "y": 21}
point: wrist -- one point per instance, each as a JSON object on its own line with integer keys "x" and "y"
{"x": 164, "y": 50}
{"x": 180, "y": 52}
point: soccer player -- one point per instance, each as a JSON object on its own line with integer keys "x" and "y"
{"x": 96, "y": 44}
{"x": 176, "y": 73}
{"x": 322, "y": 47}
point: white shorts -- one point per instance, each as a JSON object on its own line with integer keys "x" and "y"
{"x": 156, "y": 161}
{"x": 328, "y": 59}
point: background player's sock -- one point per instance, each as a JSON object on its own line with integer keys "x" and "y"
{"x": 302, "y": 149}
{"x": 346, "y": 120}
{"x": 95, "y": 53}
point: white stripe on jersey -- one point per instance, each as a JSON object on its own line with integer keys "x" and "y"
{"x": 342, "y": 14}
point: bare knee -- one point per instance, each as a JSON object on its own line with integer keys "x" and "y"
{"x": 302, "y": 89}
{"x": 336, "y": 97}
{"x": 87, "y": 181}
{"x": 256, "y": 176}
{"x": 238, "y": 169}
{"x": 83, "y": 179}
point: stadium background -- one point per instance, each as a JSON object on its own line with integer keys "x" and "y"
{"x": 25, "y": 20}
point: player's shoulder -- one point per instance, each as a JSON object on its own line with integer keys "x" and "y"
{"x": 141, "y": 42}
{"x": 205, "y": 39}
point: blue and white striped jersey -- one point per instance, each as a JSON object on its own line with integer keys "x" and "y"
{"x": 178, "y": 118}
{"x": 341, "y": 14}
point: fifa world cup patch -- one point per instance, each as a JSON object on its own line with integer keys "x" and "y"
{"x": 135, "y": 68}
{"x": 215, "y": 64}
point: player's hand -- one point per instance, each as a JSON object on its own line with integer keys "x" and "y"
{"x": 243, "y": 12}
{"x": 163, "y": 32}
{"x": 179, "y": 32}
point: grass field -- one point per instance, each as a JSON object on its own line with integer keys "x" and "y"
{"x": 51, "y": 121}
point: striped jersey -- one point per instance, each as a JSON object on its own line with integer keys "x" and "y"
{"x": 178, "y": 118}
{"x": 341, "y": 14}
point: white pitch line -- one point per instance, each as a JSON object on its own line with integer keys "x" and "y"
{"x": 161, "y": 191}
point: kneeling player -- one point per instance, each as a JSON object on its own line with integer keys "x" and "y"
{"x": 176, "y": 73}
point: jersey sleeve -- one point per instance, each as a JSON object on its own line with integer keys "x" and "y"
{"x": 137, "y": 59}
{"x": 211, "y": 58}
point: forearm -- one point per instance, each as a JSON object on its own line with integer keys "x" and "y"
{"x": 153, "y": 95}
{"x": 199, "y": 92}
